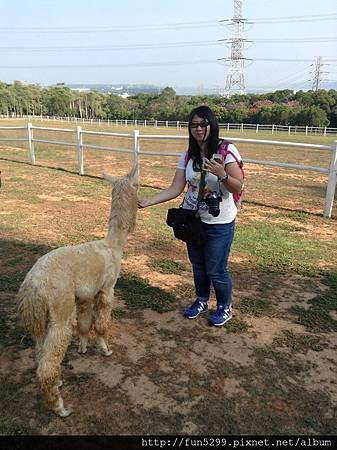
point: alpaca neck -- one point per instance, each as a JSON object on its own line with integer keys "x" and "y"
{"x": 116, "y": 236}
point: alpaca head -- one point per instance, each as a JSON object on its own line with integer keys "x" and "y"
{"x": 124, "y": 201}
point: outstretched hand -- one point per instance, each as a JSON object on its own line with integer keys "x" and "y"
{"x": 143, "y": 203}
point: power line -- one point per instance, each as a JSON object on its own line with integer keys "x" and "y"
{"x": 164, "y": 26}
{"x": 109, "y": 28}
{"x": 94, "y": 66}
{"x": 111, "y": 47}
{"x": 293, "y": 76}
{"x": 285, "y": 40}
{"x": 150, "y": 64}
{"x": 158, "y": 45}
{"x": 278, "y": 59}
{"x": 271, "y": 22}
{"x": 296, "y": 17}
{"x": 291, "y": 19}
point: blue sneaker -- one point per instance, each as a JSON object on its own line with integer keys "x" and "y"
{"x": 221, "y": 315}
{"x": 195, "y": 309}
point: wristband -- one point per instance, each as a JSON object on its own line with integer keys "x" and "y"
{"x": 223, "y": 179}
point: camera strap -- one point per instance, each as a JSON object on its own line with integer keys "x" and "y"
{"x": 202, "y": 184}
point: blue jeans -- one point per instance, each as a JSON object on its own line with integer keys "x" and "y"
{"x": 209, "y": 263}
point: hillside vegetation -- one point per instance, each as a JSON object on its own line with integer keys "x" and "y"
{"x": 284, "y": 107}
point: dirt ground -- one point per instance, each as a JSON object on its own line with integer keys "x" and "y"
{"x": 264, "y": 373}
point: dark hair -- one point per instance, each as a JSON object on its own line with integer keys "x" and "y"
{"x": 207, "y": 114}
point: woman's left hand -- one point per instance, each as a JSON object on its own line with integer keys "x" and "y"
{"x": 217, "y": 169}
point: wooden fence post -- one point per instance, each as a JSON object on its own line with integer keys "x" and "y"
{"x": 31, "y": 143}
{"x": 332, "y": 180}
{"x": 80, "y": 159}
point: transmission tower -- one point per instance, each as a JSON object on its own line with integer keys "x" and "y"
{"x": 235, "y": 81}
{"x": 317, "y": 74}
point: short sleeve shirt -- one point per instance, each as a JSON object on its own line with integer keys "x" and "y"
{"x": 228, "y": 209}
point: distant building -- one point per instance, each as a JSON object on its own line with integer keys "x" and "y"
{"x": 81, "y": 89}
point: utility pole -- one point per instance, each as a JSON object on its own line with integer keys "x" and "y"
{"x": 235, "y": 81}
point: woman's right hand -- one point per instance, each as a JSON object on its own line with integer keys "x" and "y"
{"x": 143, "y": 203}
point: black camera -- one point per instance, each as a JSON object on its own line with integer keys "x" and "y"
{"x": 213, "y": 200}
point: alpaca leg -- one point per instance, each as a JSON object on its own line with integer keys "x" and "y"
{"x": 49, "y": 366}
{"x": 38, "y": 352}
{"x": 84, "y": 322}
{"x": 102, "y": 318}
{"x": 38, "y": 347}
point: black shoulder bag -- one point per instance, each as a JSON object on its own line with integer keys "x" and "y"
{"x": 186, "y": 223}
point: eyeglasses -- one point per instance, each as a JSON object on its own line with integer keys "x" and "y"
{"x": 201, "y": 125}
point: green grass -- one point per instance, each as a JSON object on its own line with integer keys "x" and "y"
{"x": 138, "y": 293}
{"x": 318, "y": 318}
{"x": 167, "y": 266}
{"x": 263, "y": 134}
{"x": 13, "y": 262}
{"x": 299, "y": 343}
{"x": 13, "y": 429}
{"x": 119, "y": 313}
{"x": 298, "y": 216}
{"x": 256, "y": 307}
{"x": 236, "y": 325}
{"x": 184, "y": 291}
{"x": 271, "y": 247}
{"x": 92, "y": 188}
{"x": 11, "y": 282}
{"x": 4, "y": 228}
{"x": 290, "y": 228}
{"x": 160, "y": 242}
{"x": 3, "y": 330}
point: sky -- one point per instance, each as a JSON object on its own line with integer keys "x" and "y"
{"x": 163, "y": 43}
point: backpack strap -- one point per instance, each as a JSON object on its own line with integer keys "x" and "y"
{"x": 223, "y": 150}
{"x": 187, "y": 158}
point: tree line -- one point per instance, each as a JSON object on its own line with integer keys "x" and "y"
{"x": 283, "y": 107}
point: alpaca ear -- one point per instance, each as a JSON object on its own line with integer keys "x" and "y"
{"x": 109, "y": 178}
{"x": 134, "y": 174}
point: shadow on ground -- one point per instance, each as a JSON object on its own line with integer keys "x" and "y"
{"x": 264, "y": 373}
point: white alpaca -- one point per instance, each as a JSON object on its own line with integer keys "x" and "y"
{"x": 77, "y": 278}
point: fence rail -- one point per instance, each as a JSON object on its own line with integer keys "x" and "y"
{"x": 136, "y": 151}
{"x": 242, "y": 127}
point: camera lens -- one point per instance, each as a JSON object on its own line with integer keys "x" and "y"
{"x": 212, "y": 200}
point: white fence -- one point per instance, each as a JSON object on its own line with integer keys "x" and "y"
{"x": 136, "y": 150}
{"x": 241, "y": 127}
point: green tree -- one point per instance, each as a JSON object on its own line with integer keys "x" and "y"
{"x": 5, "y": 100}
{"x": 312, "y": 116}
{"x": 57, "y": 101}
{"x": 282, "y": 96}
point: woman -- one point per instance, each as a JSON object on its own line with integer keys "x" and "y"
{"x": 209, "y": 261}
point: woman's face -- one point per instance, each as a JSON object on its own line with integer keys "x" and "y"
{"x": 200, "y": 129}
